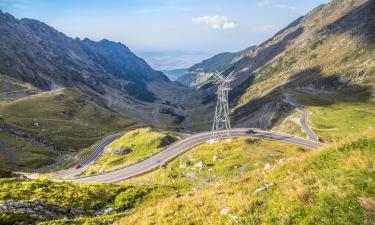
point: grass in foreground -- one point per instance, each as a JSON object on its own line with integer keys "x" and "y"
{"x": 319, "y": 187}
{"x": 141, "y": 143}
{"x": 323, "y": 187}
{"x": 87, "y": 198}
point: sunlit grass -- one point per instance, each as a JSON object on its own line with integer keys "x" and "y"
{"x": 143, "y": 143}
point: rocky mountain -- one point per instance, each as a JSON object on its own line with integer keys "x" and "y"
{"x": 329, "y": 50}
{"x": 34, "y": 52}
{"x": 201, "y": 72}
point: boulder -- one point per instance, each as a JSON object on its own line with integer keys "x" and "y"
{"x": 267, "y": 166}
{"x": 167, "y": 140}
{"x": 109, "y": 211}
{"x": 263, "y": 188}
{"x": 123, "y": 151}
{"x": 224, "y": 211}
{"x": 200, "y": 164}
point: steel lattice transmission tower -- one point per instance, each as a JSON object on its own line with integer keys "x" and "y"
{"x": 221, "y": 127}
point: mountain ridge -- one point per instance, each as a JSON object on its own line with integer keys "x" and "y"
{"x": 201, "y": 72}
{"x": 78, "y": 60}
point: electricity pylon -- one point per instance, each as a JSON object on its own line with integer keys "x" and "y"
{"x": 221, "y": 127}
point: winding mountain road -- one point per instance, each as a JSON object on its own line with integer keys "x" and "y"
{"x": 92, "y": 158}
{"x": 179, "y": 148}
{"x": 303, "y": 120}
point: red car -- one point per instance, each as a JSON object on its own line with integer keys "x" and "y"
{"x": 77, "y": 166}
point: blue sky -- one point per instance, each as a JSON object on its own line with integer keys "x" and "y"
{"x": 168, "y": 33}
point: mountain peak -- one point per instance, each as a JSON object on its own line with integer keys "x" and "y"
{"x": 6, "y": 16}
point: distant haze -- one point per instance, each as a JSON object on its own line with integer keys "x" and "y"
{"x": 169, "y": 60}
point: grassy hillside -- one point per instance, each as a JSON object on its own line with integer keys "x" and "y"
{"x": 141, "y": 143}
{"x": 336, "y": 116}
{"x": 335, "y": 185}
{"x": 308, "y": 73}
{"x": 322, "y": 187}
{"x": 37, "y": 128}
{"x": 222, "y": 161}
{"x": 64, "y": 118}
{"x": 11, "y": 89}
{"x": 18, "y": 154}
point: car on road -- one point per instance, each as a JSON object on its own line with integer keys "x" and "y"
{"x": 77, "y": 166}
{"x": 250, "y": 132}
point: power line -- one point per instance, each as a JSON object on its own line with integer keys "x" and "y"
{"x": 221, "y": 127}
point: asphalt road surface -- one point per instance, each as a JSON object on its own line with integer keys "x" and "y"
{"x": 182, "y": 146}
{"x": 303, "y": 120}
{"x": 92, "y": 158}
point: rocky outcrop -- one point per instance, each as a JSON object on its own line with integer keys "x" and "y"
{"x": 39, "y": 210}
{"x": 123, "y": 151}
{"x": 167, "y": 140}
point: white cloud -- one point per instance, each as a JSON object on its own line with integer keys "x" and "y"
{"x": 263, "y": 3}
{"x": 216, "y": 22}
{"x": 273, "y": 3}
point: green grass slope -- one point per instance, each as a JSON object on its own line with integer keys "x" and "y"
{"x": 64, "y": 120}
{"x": 143, "y": 142}
{"x": 336, "y": 116}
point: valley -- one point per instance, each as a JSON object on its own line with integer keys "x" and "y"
{"x": 91, "y": 134}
